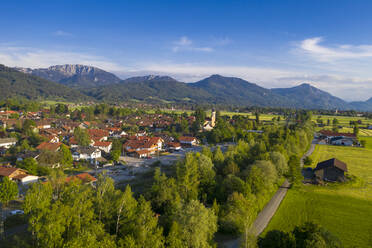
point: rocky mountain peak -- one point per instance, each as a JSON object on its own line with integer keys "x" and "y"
{"x": 70, "y": 70}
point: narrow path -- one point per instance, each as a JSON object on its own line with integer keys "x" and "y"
{"x": 264, "y": 217}
{"x": 309, "y": 152}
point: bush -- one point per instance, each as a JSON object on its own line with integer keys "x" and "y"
{"x": 308, "y": 161}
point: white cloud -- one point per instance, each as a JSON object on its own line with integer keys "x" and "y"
{"x": 347, "y": 88}
{"x": 61, "y": 33}
{"x": 185, "y": 44}
{"x": 313, "y": 48}
{"x": 344, "y": 86}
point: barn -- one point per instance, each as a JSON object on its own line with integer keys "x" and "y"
{"x": 332, "y": 170}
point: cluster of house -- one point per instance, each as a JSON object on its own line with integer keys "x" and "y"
{"x": 145, "y": 147}
{"x": 333, "y": 138}
{"x": 22, "y": 178}
{"x": 61, "y": 131}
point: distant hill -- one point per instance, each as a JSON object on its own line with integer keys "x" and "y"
{"x": 216, "y": 89}
{"x": 365, "y": 106}
{"x": 231, "y": 90}
{"x": 149, "y": 88}
{"x": 212, "y": 90}
{"x": 76, "y": 76}
{"x": 307, "y": 96}
{"x": 148, "y": 78}
{"x": 17, "y": 84}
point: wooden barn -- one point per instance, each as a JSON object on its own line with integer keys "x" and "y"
{"x": 332, "y": 170}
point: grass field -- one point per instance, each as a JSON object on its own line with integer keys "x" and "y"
{"x": 362, "y": 132}
{"x": 343, "y": 209}
{"x": 368, "y": 140}
{"x": 343, "y": 120}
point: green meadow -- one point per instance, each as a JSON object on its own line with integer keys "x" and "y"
{"x": 343, "y": 209}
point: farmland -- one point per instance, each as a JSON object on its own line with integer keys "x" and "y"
{"x": 345, "y": 210}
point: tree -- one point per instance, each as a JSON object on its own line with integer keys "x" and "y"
{"x": 206, "y": 177}
{"x": 262, "y": 176}
{"x": 335, "y": 121}
{"x": 231, "y": 168}
{"x": 164, "y": 194}
{"x": 8, "y": 190}
{"x": 24, "y": 145}
{"x": 308, "y": 161}
{"x": 30, "y": 165}
{"x": 174, "y": 239}
{"x": 197, "y": 225}
{"x": 28, "y": 127}
{"x": 81, "y": 136}
{"x": 239, "y": 214}
{"x": 257, "y": 117}
{"x": 218, "y": 157}
{"x": 115, "y": 155}
{"x": 294, "y": 170}
{"x": 311, "y": 235}
{"x": 66, "y": 156}
{"x": 356, "y": 130}
{"x": 188, "y": 177}
{"x": 279, "y": 162}
{"x": 207, "y": 152}
{"x": 277, "y": 239}
{"x": 146, "y": 232}
{"x": 126, "y": 209}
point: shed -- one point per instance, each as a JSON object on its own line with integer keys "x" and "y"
{"x": 331, "y": 170}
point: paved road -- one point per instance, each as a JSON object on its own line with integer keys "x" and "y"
{"x": 309, "y": 152}
{"x": 264, "y": 217}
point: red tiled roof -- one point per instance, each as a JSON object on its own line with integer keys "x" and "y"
{"x": 7, "y": 171}
{"x": 331, "y": 133}
{"x": 98, "y": 133}
{"x": 102, "y": 143}
{"x": 49, "y": 146}
{"x": 140, "y": 152}
{"x": 143, "y": 142}
{"x": 85, "y": 177}
{"x": 174, "y": 144}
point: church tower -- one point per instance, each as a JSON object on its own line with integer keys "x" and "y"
{"x": 213, "y": 118}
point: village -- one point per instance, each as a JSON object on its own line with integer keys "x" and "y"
{"x": 120, "y": 147}
{"x": 130, "y": 147}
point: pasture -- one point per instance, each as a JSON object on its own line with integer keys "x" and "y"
{"x": 343, "y": 209}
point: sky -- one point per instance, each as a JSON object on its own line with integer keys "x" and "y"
{"x": 271, "y": 43}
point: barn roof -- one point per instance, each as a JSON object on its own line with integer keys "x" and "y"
{"x": 333, "y": 162}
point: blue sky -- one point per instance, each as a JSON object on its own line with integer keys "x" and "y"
{"x": 271, "y": 43}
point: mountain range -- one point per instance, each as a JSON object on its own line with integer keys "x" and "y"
{"x": 17, "y": 84}
{"x": 79, "y": 82}
{"x": 76, "y": 76}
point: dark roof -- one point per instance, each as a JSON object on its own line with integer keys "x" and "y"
{"x": 333, "y": 162}
{"x": 85, "y": 149}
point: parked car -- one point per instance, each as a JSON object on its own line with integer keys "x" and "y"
{"x": 17, "y": 211}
